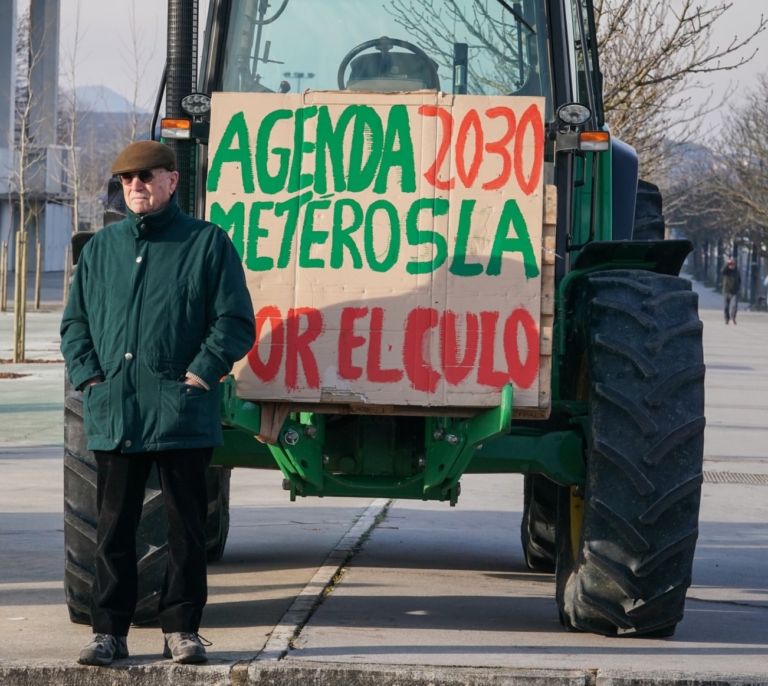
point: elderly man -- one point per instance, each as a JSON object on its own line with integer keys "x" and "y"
{"x": 157, "y": 314}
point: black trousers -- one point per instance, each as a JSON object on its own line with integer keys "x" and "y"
{"x": 120, "y": 495}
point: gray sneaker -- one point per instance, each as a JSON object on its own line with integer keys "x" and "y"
{"x": 185, "y": 648}
{"x": 103, "y": 649}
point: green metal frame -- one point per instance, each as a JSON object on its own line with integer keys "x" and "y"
{"x": 556, "y": 454}
{"x": 486, "y": 443}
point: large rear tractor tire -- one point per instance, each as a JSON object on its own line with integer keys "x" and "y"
{"x": 81, "y": 518}
{"x": 537, "y": 529}
{"x": 217, "y": 523}
{"x": 626, "y": 541}
{"x": 649, "y": 217}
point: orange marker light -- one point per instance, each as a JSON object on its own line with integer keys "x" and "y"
{"x": 176, "y": 128}
{"x": 594, "y": 141}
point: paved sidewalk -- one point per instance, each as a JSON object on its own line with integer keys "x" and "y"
{"x": 736, "y": 381}
{"x": 32, "y": 405}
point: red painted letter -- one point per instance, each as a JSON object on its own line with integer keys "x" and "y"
{"x": 471, "y": 120}
{"x": 348, "y": 342}
{"x": 421, "y": 374}
{"x": 447, "y": 119}
{"x": 532, "y": 117}
{"x": 268, "y": 371}
{"x": 375, "y": 372}
{"x": 455, "y": 372}
{"x": 523, "y": 374}
{"x": 499, "y": 147}
{"x": 298, "y": 346}
{"x": 486, "y": 374}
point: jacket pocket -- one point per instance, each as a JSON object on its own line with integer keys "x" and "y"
{"x": 187, "y": 412}
{"x": 198, "y": 411}
{"x": 96, "y": 410}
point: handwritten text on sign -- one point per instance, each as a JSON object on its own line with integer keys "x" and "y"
{"x": 391, "y": 243}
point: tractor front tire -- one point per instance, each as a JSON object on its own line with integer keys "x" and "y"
{"x": 81, "y": 520}
{"x": 537, "y": 528}
{"x": 626, "y": 540}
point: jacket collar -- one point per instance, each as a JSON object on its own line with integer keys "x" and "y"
{"x": 149, "y": 224}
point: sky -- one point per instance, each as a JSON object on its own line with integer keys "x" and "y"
{"x": 105, "y": 52}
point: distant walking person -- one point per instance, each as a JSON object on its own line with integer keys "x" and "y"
{"x": 731, "y": 288}
{"x": 158, "y": 312}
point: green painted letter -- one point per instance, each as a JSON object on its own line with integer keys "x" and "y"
{"x": 393, "y": 250}
{"x": 225, "y": 153}
{"x": 290, "y": 207}
{"x": 233, "y": 222}
{"x": 398, "y": 127}
{"x": 267, "y": 183}
{"x": 367, "y": 134}
{"x": 297, "y": 180}
{"x": 511, "y": 215}
{"x": 330, "y": 143}
{"x": 459, "y": 266}
{"x": 342, "y": 236}
{"x": 253, "y": 261}
{"x": 310, "y": 237}
{"x": 439, "y": 207}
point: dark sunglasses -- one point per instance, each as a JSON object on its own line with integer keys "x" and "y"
{"x": 145, "y": 176}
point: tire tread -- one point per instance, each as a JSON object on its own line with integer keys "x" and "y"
{"x": 644, "y": 460}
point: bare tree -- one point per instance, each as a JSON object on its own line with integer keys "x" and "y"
{"x": 701, "y": 212}
{"x": 743, "y": 159}
{"x": 27, "y": 175}
{"x": 139, "y": 50}
{"x": 71, "y": 113}
{"x": 653, "y": 56}
{"x": 723, "y": 193}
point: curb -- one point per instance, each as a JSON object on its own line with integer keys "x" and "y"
{"x": 127, "y": 674}
{"x": 610, "y": 677}
{"x": 307, "y": 673}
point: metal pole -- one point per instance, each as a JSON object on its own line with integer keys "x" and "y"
{"x": 3, "y": 276}
{"x": 19, "y": 296}
{"x": 38, "y": 274}
{"x": 24, "y": 278}
{"x": 67, "y": 272}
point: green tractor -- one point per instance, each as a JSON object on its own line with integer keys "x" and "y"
{"x": 455, "y": 271}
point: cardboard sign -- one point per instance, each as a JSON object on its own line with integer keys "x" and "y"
{"x": 392, "y": 243}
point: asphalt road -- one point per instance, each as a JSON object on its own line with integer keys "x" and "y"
{"x": 433, "y": 587}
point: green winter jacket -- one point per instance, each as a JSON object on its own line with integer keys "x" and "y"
{"x": 155, "y": 297}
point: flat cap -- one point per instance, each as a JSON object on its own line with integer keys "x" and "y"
{"x": 144, "y": 155}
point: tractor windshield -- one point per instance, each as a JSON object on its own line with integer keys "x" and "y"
{"x": 489, "y": 47}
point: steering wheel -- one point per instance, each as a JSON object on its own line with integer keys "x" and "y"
{"x": 384, "y": 45}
